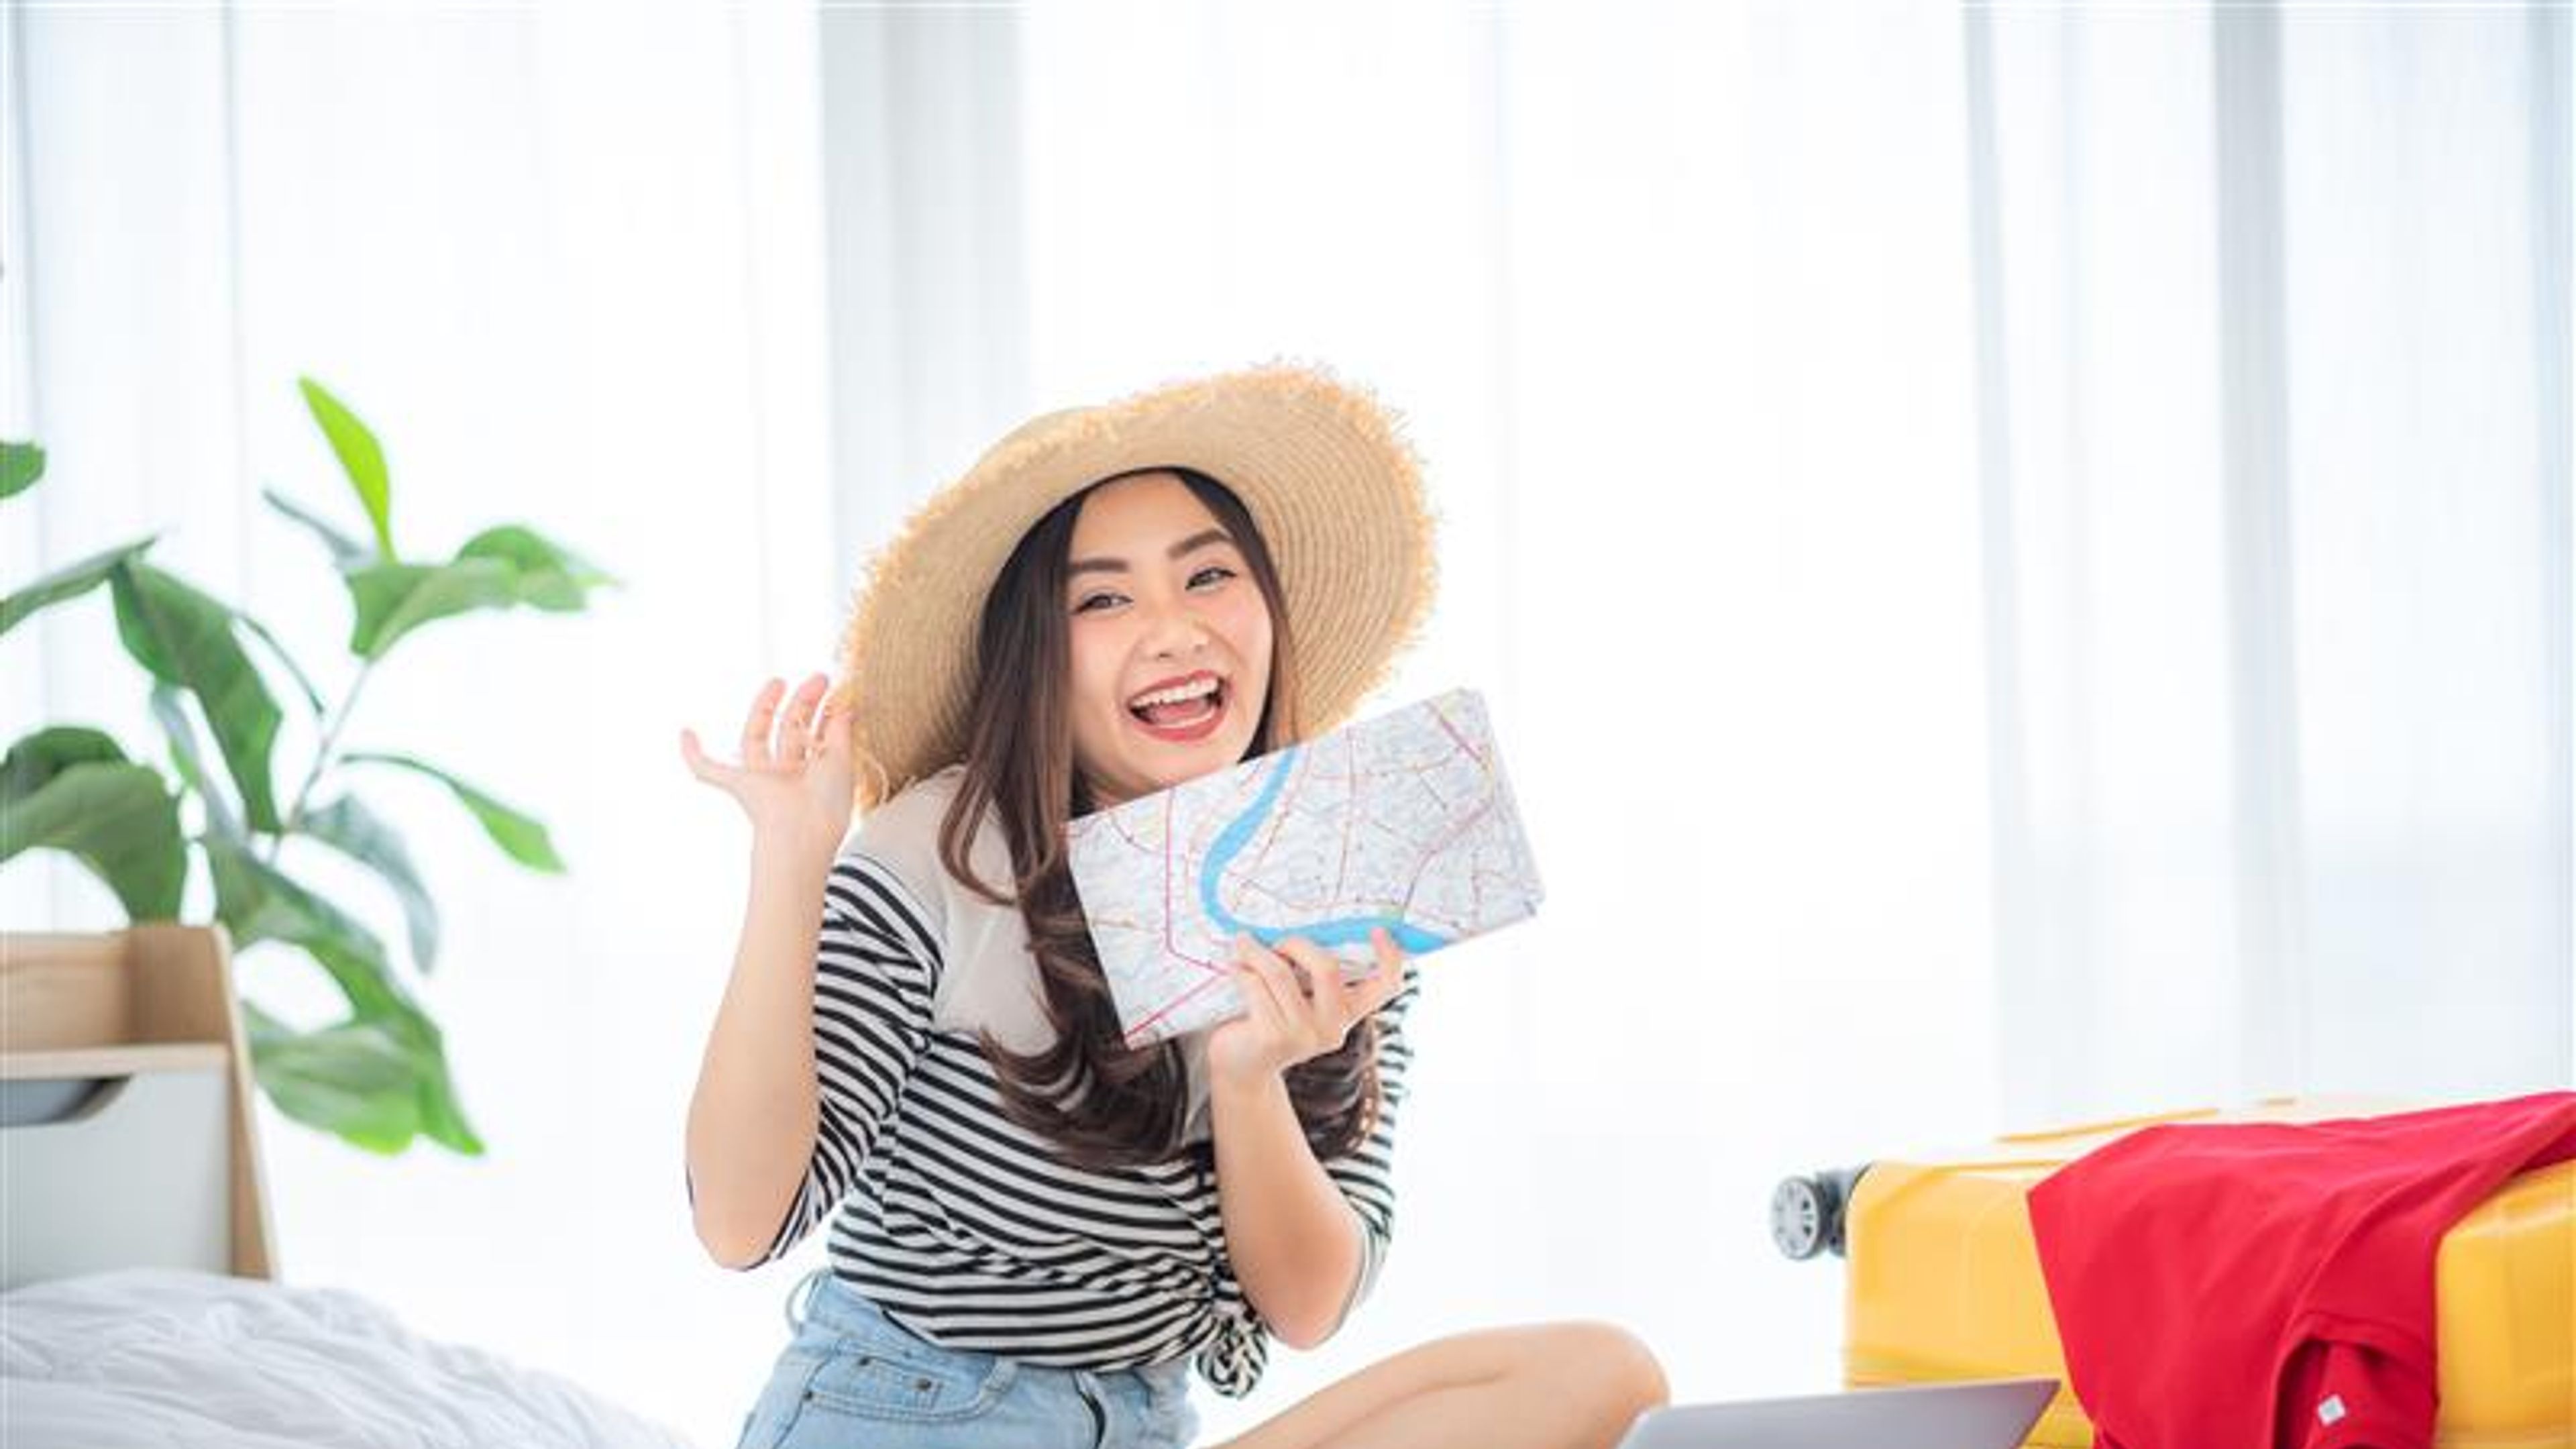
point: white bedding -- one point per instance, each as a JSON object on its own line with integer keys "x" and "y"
{"x": 166, "y": 1358}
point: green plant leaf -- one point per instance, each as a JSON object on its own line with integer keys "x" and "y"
{"x": 392, "y": 599}
{"x": 354, "y": 1080}
{"x": 303, "y": 682}
{"x": 71, "y": 789}
{"x": 434, "y": 1090}
{"x": 441, "y": 1116}
{"x": 170, "y": 708}
{"x": 550, "y": 576}
{"x": 259, "y": 903}
{"x": 346, "y": 552}
{"x": 186, "y": 639}
{"x": 360, "y": 457}
{"x": 521, "y": 838}
{"x": 21, "y": 464}
{"x": 68, "y": 582}
{"x": 348, "y": 826}
{"x": 49, "y": 751}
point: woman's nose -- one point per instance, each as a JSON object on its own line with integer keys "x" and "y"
{"x": 1174, "y": 632}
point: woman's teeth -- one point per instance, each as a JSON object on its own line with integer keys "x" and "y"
{"x": 1179, "y": 705}
{"x": 1177, "y": 693}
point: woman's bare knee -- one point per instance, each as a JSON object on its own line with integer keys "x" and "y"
{"x": 1608, "y": 1368}
{"x": 1557, "y": 1385}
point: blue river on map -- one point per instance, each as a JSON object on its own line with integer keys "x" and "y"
{"x": 1349, "y": 931}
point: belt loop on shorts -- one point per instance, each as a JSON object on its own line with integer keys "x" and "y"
{"x": 800, "y": 1299}
{"x": 1086, "y": 1386}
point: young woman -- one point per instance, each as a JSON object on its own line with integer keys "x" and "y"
{"x": 1037, "y": 1230}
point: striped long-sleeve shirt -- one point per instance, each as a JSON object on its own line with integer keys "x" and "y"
{"x": 959, "y": 1223}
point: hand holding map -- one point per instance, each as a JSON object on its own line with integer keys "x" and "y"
{"x": 1403, "y": 821}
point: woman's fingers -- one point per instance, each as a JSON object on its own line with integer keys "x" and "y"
{"x": 786, "y": 730}
{"x": 1340, "y": 1002}
{"x": 755, "y": 729}
{"x": 1378, "y": 990}
{"x": 796, "y": 730}
{"x": 1381, "y": 988}
{"x": 1327, "y": 1004}
{"x": 832, "y": 731}
{"x": 1382, "y": 942}
{"x": 1259, "y": 977}
{"x": 1294, "y": 996}
{"x": 695, "y": 757}
{"x": 1286, "y": 988}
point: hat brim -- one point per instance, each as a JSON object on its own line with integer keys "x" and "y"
{"x": 1323, "y": 468}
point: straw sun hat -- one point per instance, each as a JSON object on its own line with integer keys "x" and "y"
{"x": 1324, "y": 469}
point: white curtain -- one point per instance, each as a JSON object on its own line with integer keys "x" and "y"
{"x": 2274, "y": 327}
{"x": 2020, "y": 557}
{"x": 567, "y": 262}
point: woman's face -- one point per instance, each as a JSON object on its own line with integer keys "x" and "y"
{"x": 1170, "y": 640}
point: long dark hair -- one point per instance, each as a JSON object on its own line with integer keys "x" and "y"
{"x": 1102, "y": 1102}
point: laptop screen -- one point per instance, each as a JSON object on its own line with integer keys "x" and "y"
{"x": 1985, "y": 1415}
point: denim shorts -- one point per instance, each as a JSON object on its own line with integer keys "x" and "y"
{"x": 852, "y": 1377}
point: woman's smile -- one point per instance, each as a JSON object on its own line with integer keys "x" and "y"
{"x": 1181, "y": 710}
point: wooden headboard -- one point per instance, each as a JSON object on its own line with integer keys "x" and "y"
{"x": 129, "y": 1135}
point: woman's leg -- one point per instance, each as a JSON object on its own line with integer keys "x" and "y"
{"x": 1553, "y": 1386}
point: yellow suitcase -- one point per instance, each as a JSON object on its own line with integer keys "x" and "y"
{"x": 1944, "y": 1283}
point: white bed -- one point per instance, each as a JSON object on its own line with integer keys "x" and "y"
{"x": 142, "y": 1303}
{"x": 160, "y": 1357}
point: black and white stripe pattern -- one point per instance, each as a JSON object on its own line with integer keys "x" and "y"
{"x": 965, "y": 1228}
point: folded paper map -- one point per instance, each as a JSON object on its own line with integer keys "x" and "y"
{"x": 1402, "y": 821}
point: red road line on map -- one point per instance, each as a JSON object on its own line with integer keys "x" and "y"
{"x": 1121, "y": 827}
{"x": 1425, "y": 862}
{"x": 1171, "y": 947}
{"x": 1452, "y": 732}
{"x": 1350, "y": 815}
{"x": 1175, "y": 1004}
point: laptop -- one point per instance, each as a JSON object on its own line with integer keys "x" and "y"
{"x": 1989, "y": 1414}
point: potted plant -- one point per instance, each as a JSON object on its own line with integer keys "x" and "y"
{"x": 379, "y": 1077}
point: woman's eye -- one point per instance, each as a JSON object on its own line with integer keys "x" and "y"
{"x": 1212, "y": 571}
{"x": 1085, "y": 607}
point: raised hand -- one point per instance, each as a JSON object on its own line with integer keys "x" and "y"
{"x": 796, "y": 775}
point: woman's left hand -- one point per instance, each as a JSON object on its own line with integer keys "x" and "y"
{"x": 1286, "y": 1020}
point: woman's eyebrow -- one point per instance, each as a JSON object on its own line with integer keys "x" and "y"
{"x": 1198, "y": 540}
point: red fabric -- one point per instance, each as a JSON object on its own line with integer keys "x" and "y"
{"x": 2272, "y": 1284}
